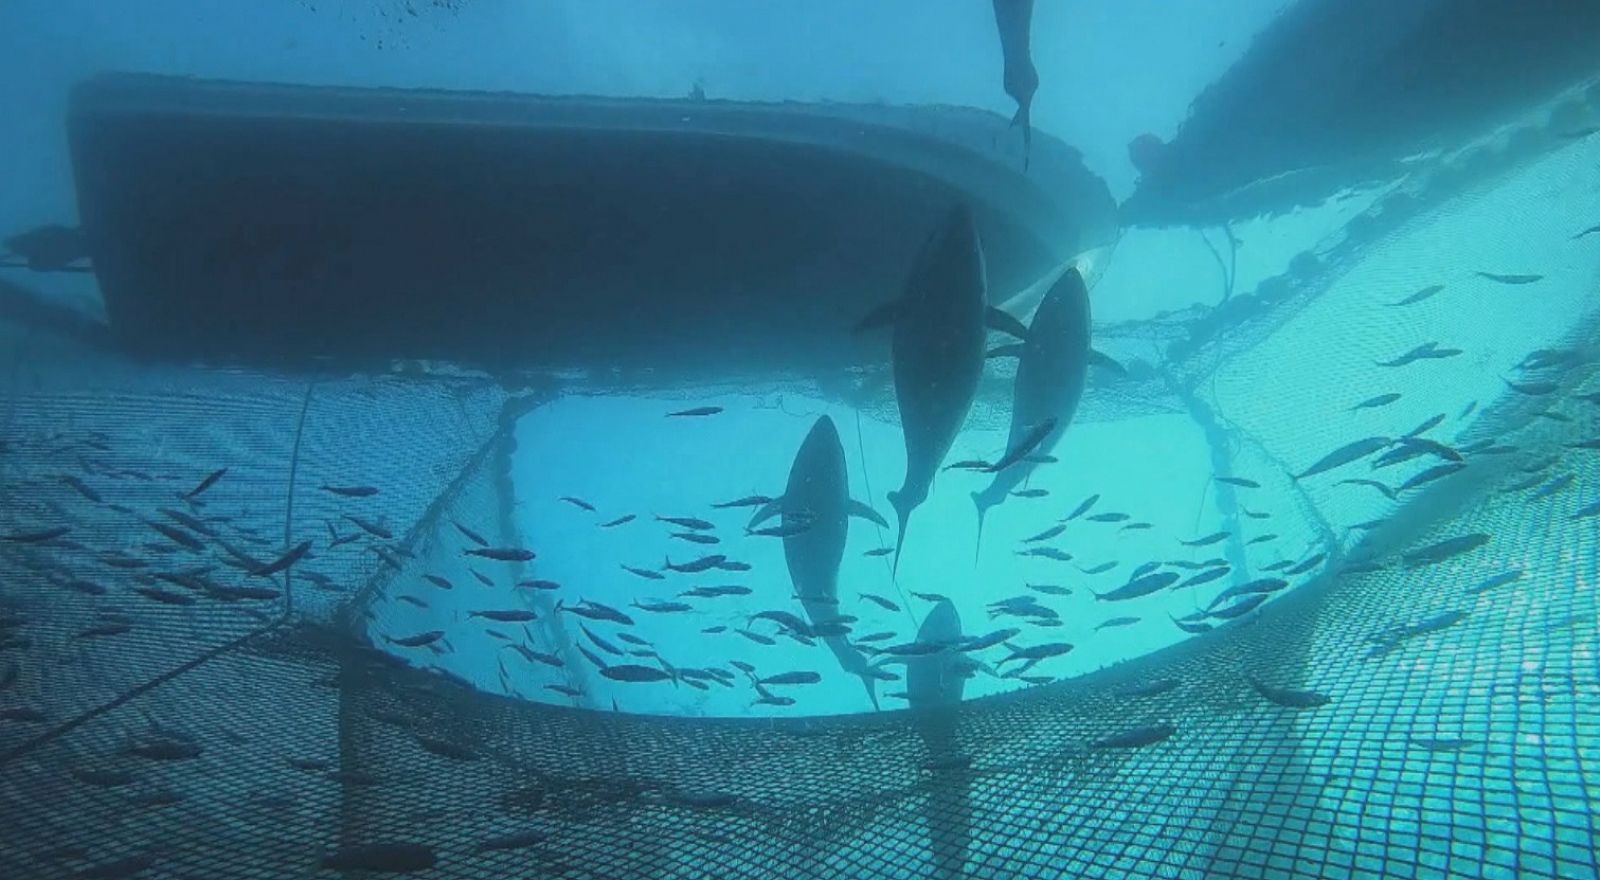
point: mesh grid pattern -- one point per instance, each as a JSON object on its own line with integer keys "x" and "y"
{"x": 1459, "y": 739}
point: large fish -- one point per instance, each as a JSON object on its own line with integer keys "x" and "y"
{"x": 938, "y": 353}
{"x": 933, "y": 681}
{"x": 819, "y": 494}
{"x": 1014, "y": 20}
{"x": 1052, "y": 363}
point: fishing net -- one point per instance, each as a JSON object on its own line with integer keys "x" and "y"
{"x": 1423, "y": 704}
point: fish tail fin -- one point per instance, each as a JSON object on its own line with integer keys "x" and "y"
{"x": 872, "y": 691}
{"x": 897, "y": 501}
{"x": 983, "y": 510}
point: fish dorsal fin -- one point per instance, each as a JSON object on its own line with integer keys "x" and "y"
{"x": 1101, "y": 359}
{"x": 880, "y": 317}
{"x": 860, "y": 509}
{"x": 996, "y": 319}
{"x": 1013, "y": 349}
{"x": 765, "y": 512}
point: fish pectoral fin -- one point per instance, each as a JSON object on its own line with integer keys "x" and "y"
{"x": 1013, "y": 349}
{"x": 996, "y": 319}
{"x": 861, "y": 509}
{"x": 1101, "y": 359}
{"x": 880, "y": 317}
{"x": 765, "y": 512}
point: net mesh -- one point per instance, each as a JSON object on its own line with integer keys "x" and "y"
{"x": 1424, "y": 705}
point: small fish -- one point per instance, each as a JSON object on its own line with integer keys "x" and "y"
{"x": 502, "y": 554}
{"x": 1344, "y": 455}
{"x": 1446, "y": 549}
{"x": 1138, "y": 737}
{"x": 756, "y": 637}
{"x": 1307, "y": 565}
{"x": 577, "y": 502}
{"x": 1206, "y": 541}
{"x": 695, "y": 566}
{"x": 646, "y": 573}
{"x": 1205, "y": 577}
{"x": 783, "y": 530}
{"x": 1034, "y": 653}
{"x": 564, "y": 690}
{"x": 730, "y": 565}
{"x": 695, "y": 411}
{"x": 351, "y": 491}
{"x": 626, "y": 518}
{"x": 747, "y": 501}
{"x": 1554, "y": 487}
{"x": 1240, "y": 608}
{"x": 1029, "y": 493}
{"x": 210, "y": 480}
{"x": 1153, "y": 688}
{"x": 1046, "y": 535}
{"x": 968, "y": 464}
{"x": 1050, "y": 589}
{"x": 931, "y": 597}
{"x": 514, "y": 840}
{"x": 294, "y": 555}
{"x": 1026, "y": 445}
{"x": 1425, "y": 427}
{"x": 1509, "y": 279}
{"x": 601, "y": 643}
{"x": 1289, "y": 698}
{"x": 596, "y": 611}
{"x": 1587, "y": 511}
{"x": 880, "y": 601}
{"x": 790, "y": 678}
{"x": 879, "y": 551}
{"x": 1375, "y": 402}
{"x": 1115, "y": 622}
{"x": 1102, "y": 568}
{"x": 371, "y": 528}
{"x": 1436, "y": 472}
{"x": 1241, "y": 482}
{"x": 82, "y": 488}
{"x": 40, "y": 536}
{"x": 470, "y": 535}
{"x": 392, "y": 858}
{"x": 1261, "y": 539}
{"x": 1047, "y": 553}
{"x": 1532, "y": 389}
{"x": 1109, "y": 517}
{"x": 914, "y": 649}
{"x": 1499, "y": 580}
{"x": 1432, "y": 744}
{"x": 1373, "y": 484}
{"x": 1142, "y": 586}
{"x": 512, "y": 615}
{"x": 1260, "y": 586}
{"x": 1420, "y": 295}
{"x": 416, "y": 641}
{"x": 439, "y": 582}
{"x": 668, "y": 608}
{"x": 1082, "y": 508}
{"x": 984, "y": 641}
{"x": 104, "y": 630}
{"x": 687, "y": 522}
{"x": 630, "y": 672}
{"x": 1255, "y": 514}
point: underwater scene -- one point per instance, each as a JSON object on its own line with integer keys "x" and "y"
{"x": 725, "y": 439}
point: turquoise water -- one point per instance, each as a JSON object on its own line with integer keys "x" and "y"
{"x": 1415, "y": 696}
